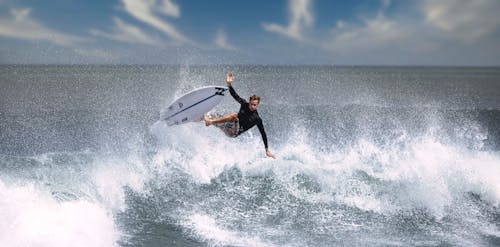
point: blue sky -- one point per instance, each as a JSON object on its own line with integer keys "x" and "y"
{"x": 358, "y": 32}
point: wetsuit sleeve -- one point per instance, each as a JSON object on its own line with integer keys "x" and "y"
{"x": 236, "y": 96}
{"x": 262, "y": 132}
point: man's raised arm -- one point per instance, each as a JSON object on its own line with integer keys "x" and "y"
{"x": 229, "y": 81}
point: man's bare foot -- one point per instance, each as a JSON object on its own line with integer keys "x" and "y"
{"x": 207, "y": 120}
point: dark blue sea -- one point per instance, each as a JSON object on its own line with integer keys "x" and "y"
{"x": 366, "y": 156}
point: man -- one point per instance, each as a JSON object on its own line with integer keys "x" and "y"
{"x": 236, "y": 123}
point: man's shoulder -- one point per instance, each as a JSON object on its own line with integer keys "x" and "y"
{"x": 257, "y": 114}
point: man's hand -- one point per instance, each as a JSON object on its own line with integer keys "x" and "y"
{"x": 269, "y": 154}
{"x": 229, "y": 79}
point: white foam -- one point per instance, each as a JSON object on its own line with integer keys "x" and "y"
{"x": 202, "y": 152}
{"x": 431, "y": 175}
{"x": 423, "y": 172}
{"x": 207, "y": 228}
{"x": 31, "y": 217}
{"x": 112, "y": 175}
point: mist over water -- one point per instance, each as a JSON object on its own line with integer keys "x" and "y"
{"x": 367, "y": 156}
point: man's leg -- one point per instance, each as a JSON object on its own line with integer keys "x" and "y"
{"x": 228, "y": 118}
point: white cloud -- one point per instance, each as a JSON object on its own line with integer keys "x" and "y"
{"x": 376, "y": 32}
{"x": 127, "y": 33}
{"x": 463, "y": 19}
{"x": 22, "y": 26}
{"x": 221, "y": 40}
{"x": 145, "y": 11}
{"x": 301, "y": 18}
{"x": 170, "y": 8}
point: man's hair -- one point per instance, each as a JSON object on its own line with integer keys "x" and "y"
{"x": 255, "y": 97}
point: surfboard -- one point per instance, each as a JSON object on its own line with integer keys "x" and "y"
{"x": 192, "y": 105}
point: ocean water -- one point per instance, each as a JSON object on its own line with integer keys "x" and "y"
{"x": 366, "y": 156}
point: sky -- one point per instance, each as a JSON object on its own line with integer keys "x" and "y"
{"x": 309, "y": 32}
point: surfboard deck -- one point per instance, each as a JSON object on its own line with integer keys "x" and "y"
{"x": 193, "y": 105}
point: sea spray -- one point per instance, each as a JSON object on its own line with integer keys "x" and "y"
{"x": 366, "y": 157}
{"x": 32, "y": 217}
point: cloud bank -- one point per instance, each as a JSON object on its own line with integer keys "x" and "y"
{"x": 463, "y": 20}
{"x": 20, "y": 25}
{"x": 434, "y": 27}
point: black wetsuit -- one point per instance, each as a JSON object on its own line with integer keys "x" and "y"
{"x": 246, "y": 118}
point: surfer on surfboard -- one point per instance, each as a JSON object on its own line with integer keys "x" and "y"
{"x": 236, "y": 123}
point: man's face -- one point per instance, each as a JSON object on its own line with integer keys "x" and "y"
{"x": 254, "y": 104}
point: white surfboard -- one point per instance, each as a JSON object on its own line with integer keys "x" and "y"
{"x": 192, "y": 106}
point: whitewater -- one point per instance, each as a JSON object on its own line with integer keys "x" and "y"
{"x": 366, "y": 156}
